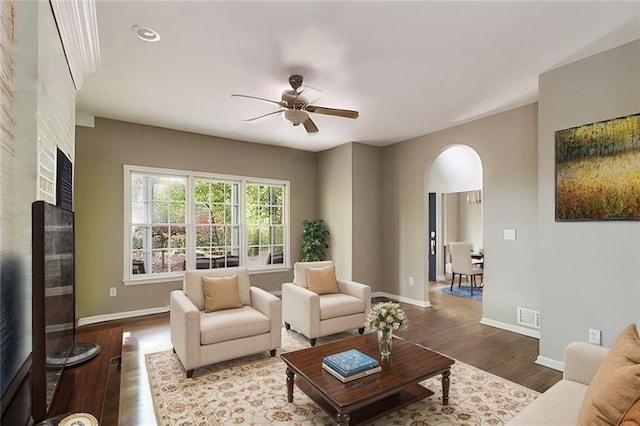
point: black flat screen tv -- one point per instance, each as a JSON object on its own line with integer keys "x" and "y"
{"x": 53, "y": 293}
{"x": 15, "y": 342}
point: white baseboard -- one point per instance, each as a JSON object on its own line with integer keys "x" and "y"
{"x": 121, "y": 315}
{"x": 151, "y": 311}
{"x": 510, "y": 327}
{"x": 420, "y": 303}
{"x": 551, "y": 363}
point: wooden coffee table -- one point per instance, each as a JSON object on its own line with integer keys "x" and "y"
{"x": 370, "y": 397}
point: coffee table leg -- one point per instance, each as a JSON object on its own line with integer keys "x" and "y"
{"x": 343, "y": 419}
{"x": 445, "y": 387}
{"x": 290, "y": 374}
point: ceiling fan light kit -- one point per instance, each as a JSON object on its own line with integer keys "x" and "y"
{"x": 296, "y": 116}
{"x": 296, "y": 107}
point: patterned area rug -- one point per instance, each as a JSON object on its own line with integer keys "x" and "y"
{"x": 252, "y": 390}
{"x": 462, "y": 291}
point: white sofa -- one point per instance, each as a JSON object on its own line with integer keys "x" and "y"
{"x": 200, "y": 338}
{"x": 316, "y": 315}
{"x": 561, "y": 403}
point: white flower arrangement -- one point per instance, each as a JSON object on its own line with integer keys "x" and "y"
{"x": 386, "y": 316}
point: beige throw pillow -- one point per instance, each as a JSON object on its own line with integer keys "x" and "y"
{"x": 616, "y": 385}
{"x": 322, "y": 280}
{"x": 220, "y": 293}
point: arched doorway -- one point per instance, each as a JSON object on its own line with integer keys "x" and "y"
{"x": 454, "y": 186}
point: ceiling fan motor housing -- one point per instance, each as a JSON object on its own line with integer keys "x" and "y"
{"x": 295, "y": 81}
{"x": 292, "y": 99}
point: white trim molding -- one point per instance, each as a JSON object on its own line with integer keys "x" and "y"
{"x": 121, "y": 315}
{"x": 420, "y": 303}
{"x": 78, "y": 27}
{"x": 152, "y": 311}
{"x": 510, "y": 327}
{"x": 549, "y": 362}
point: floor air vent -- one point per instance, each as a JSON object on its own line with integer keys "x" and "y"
{"x": 529, "y": 317}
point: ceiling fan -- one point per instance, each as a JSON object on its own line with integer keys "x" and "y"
{"x": 296, "y": 107}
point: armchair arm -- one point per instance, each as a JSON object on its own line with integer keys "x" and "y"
{"x": 359, "y": 290}
{"x": 581, "y": 360}
{"x": 301, "y": 309}
{"x": 271, "y": 306}
{"x": 185, "y": 329}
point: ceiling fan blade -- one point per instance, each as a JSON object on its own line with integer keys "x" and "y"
{"x": 264, "y": 115}
{"x": 255, "y": 97}
{"x": 345, "y": 113}
{"x": 310, "y": 126}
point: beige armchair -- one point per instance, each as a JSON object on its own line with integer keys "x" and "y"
{"x": 316, "y": 315}
{"x": 201, "y": 338}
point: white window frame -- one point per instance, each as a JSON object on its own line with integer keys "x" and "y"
{"x": 133, "y": 279}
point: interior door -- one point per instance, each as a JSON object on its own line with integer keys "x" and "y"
{"x": 432, "y": 236}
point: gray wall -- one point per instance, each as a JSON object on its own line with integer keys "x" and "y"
{"x": 589, "y": 272}
{"x": 100, "y": 155}
{"x": 470, "y": 220}
{"x": 349, "y": 182}
{"x": 368, "y": 252}
{"x": 507, "y": 146}
{"x": 335, "y": 205}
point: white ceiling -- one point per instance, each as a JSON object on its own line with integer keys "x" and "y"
{"x": 409, "y": 68}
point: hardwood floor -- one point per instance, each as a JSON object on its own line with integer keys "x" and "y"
{"x": 450, "y": 326}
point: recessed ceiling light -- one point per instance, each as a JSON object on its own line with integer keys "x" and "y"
{"x": 145, "y": 34}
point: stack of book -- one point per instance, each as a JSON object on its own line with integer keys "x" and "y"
{"x": 350, "y": 365}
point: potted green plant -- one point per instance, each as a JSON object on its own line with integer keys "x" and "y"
{"x": 314, "y": 240}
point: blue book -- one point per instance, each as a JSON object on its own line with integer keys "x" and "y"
{"x": 350, "y": 362}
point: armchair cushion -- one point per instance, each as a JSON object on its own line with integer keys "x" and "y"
{"x": 232, "y": 324}
{"x": 339, "y": 305}
{"x": 300, "y": 271}
{"x": 616, "y": 385}
{"x": 220, "y": 293}
{"x": 193, "y": 284}
{"x": 322, "y": 280}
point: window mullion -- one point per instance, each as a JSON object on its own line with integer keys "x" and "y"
{"x": 147, "y": 238}
{"x": 190, "y": 258}
{"x": 244, "y": 243}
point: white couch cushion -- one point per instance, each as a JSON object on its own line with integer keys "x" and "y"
{"x": 339, "y": 305}
{"x": 558, "y": 406}
{"x": 232, "y": 324}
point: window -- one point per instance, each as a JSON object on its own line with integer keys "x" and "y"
{"x": 265, "y": 223}
{"x": 177, "y": 220}
{"x": 158, "y": 223}
{"x": 217, "y": 224}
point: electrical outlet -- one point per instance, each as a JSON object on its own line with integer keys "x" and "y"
{"x": 113, "y": 291}
{"x": 410, "y": 280}
{"x": 594, "y": 336}
{"x": 509, "y": 234}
